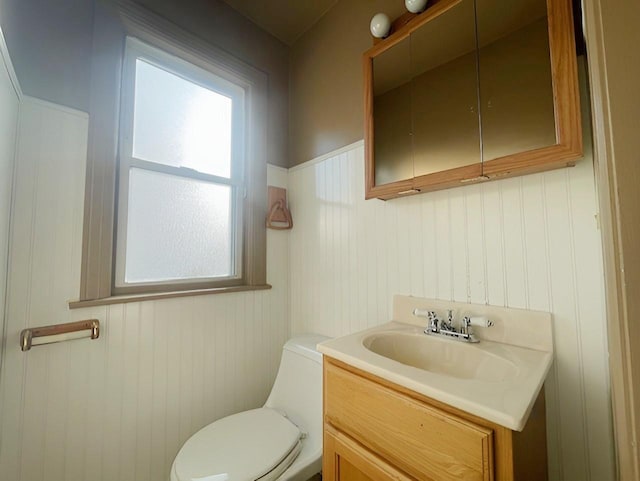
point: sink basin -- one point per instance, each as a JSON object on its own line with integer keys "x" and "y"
{"x": 441, "y": 356}
{"x": 497, "y": 379}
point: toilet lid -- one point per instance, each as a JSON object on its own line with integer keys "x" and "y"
{"x": 244, "y": 446}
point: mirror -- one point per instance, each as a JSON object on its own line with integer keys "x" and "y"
{"x": 392, "y": 113}
{"x": 425, "y": 99}
{"x": 516, "y": 89}
{"x": 445, "y": 92}
{"x": 467, "y": 91}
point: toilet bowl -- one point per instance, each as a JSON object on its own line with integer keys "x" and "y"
{"x": 280, "y": 441}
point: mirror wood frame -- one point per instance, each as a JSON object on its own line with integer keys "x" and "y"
{"x": 566, "y": 101}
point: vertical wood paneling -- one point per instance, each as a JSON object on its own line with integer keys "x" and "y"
{"x": 590, "y": 306}
{"x": 92, "y": 424}
{"x": 14, "y": 365}
{"x": 112, "y": 401}
{"x": 56, "y": 415}
{"x": 475, "y": 244}
{"x": 444, "y": 258}
{"x": 118, "y": 408}
{"x": 534, "y": 232}
{"x": 353, "y": 297}
{"x": 145, "y": 383}
{"x": 159, "y": 404}
{"x": 10, "y": 102}
{"x": 494, "y": 246}
{"x": 528, "y": 242}
{"x": 458, "y": 243}
{"x": 129, "y": 380}
{"x": 416, "y": 250}
{"x": 34, "y": 418}
{"x": 428, "y": 237}
{"x": 381, "y": 264}
{"x": 567, "y": 356}
{"x": 76, "y": 405}
{"x": 514, "y": 256}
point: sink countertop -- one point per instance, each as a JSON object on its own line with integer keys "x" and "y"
{"x": 505, "y": 402}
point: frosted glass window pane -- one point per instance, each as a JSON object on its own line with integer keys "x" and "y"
{"x": 177, "y": 228}
{"x": 179, "y": 123}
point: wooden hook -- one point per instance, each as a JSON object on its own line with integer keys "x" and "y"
{"x": 279, "y": 206}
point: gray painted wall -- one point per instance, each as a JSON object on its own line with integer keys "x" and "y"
{"x": 50, "y": 46}
{"x": 50, "y": 42}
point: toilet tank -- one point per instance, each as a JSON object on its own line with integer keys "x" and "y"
{"x": 297, "y": 390}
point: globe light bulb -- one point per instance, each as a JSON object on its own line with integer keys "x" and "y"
{"x": 380, "y": 25}
{"x": 415, "y": 6}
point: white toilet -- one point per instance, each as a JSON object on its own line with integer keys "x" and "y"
{"x": 280, "y": 441}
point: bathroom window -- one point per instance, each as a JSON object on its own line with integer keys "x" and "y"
{"x": 180, "y": 177}
{"x": 176, "y": 170}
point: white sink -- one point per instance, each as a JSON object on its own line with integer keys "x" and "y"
{"x": 442, "y": 356}
{"x": 493, "y": 380}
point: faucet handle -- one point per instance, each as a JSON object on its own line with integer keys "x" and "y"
{"x": 478, "y": 321}
{"x": 431, "y": 316}
{"x": 434, "y": 322}
{"x": 449, "y": 322}
{"x": 465, "y": 325}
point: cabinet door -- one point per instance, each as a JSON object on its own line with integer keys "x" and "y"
{"x": 346, "y": 460}
{"x": 492, "y": 91}
{"x": 528, "y": 86}
{"x": 421, "y": 104}
{"x": 423, "y": 441}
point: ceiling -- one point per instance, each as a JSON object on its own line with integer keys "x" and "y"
{"x": 286, "y": 20}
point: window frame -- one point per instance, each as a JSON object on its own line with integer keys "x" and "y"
{"x": 114, "y": 23}
{"x": 136, "y": 50}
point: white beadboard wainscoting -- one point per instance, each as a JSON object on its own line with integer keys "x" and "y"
{"x": 10, "y": 95}
{"x": 120, "y": 407}
{"x": 117, "y": 408}
{"x": 529, "y": 242}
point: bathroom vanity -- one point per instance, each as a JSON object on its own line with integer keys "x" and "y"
{"x": 377, "y": 430}
{"x": 400, "y": 405}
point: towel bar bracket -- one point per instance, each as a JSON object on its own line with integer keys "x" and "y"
{"x": 37, "y": 336}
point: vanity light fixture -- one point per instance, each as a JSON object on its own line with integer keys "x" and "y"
{"x": 380, "y": 25}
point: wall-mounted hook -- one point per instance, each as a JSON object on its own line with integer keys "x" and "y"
{"x": 278, "y": 211}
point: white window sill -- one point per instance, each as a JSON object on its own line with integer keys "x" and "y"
{"x": 163, "y": 295}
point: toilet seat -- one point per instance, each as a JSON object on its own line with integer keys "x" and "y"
{"x": 251, "y": 445}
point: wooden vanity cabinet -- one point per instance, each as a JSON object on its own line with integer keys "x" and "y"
{"x": 376, "y": 430}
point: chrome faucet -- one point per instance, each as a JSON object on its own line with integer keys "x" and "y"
{"x": 465, "y": 326}
{"x": 434, "y": 322}
{"x": 440, "y": 328}
{"x": 448, "y": 326}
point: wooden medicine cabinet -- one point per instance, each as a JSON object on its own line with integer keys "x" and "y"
{"x": 468, "y": 91}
